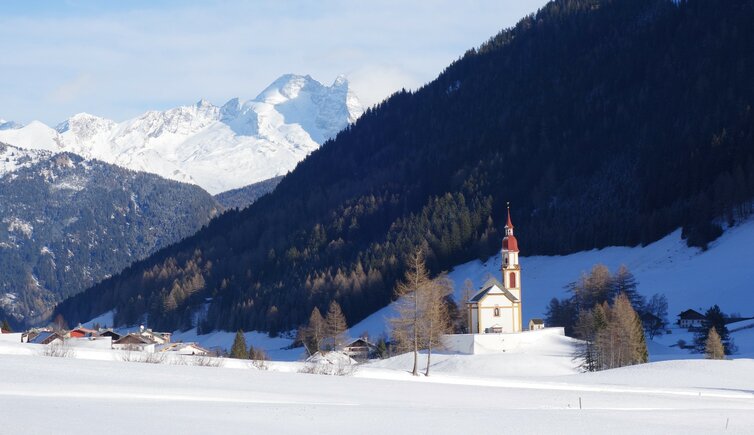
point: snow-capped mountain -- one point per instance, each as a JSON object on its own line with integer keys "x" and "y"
{"x": 216, "y": 147}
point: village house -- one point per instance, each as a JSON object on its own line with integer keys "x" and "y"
{"x": 360, "y": 349}
{"x": 46, "y": 337}
{"x": 496, "y": 307}
{"x": 81, "y": 332}
{"x": 690, "y": 319}
{"x": 535, "y": 324}
{"x": 135, "y": 342}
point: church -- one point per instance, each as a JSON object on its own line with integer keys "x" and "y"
{"x": 496, "y": 307}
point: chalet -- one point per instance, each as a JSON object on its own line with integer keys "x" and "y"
{"x": 156, "y": 337}
{"x": 360, "y": 349}
{"x": 535, "y": 324}
{"x": 47, "y": 337}
{"x": 690, "y": 319}
{"x": 81, "y": 332}
{"x": 135, "y": 342}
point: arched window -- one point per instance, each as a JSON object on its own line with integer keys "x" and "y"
{"x": 513, "y": 279}
{"x": 497, "y": 312}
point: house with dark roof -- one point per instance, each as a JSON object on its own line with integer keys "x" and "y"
{"x": 535, "y": 324}
{"x": 690, "y": 319}
{"x": 47, "y": 337}
{"x": 135, "y": 342}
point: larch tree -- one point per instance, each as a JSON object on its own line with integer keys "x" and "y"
{"x": 623, "y": 282}
{"x": 335, "y": 326}
{"x": 314, "y": 333}
{"x": 435, "y": 316}
{"x": 406, "y": 326}
{"x": 714, "y": 347}
{"x": 238, "y": 350}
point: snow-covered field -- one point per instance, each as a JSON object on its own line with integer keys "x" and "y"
{"x": 479, "y": 394}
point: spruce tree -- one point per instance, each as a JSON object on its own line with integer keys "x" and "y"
{"x": 714, "y": 319}
{"x": 238, "y": 350}
{"x": 714, "y": 347}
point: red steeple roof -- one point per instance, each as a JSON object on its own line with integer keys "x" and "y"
{"x": 509, "y": 224}
{"x": 509, "y": 241}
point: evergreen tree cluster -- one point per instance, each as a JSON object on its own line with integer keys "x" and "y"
{"x": 604, "y": 122}
{"x": 714, "y": 329}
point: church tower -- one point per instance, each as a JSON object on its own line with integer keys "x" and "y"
{"x": 511, "y": 269}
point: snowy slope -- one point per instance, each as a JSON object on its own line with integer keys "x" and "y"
{"x": 64, "y": 395}
{"x": 218, "y": 148}
{"x": 667, "y": 266}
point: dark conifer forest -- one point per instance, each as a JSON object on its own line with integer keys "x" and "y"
{"x": 603, "y": 122}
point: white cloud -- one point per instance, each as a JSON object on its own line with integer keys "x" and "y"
{"x": 119, "y": 63}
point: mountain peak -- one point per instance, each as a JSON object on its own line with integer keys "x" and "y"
{"x": 218, "y": 147}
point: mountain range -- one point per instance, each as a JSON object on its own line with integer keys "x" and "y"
{"x": 67, "y": 222}
{"x": 216, "y": 147}
{"x": 602, "y": 122}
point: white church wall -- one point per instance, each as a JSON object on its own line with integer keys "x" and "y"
{"x": 479, "y": 344}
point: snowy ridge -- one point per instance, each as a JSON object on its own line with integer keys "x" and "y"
{"x": 216, "y": 147}
{"x": 12, "y": 158}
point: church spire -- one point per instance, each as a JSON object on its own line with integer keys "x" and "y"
{"x": 509, "y": 224}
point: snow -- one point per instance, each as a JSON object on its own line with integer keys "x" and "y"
{"x": 218, "y": 148}
{"x": 667, "y": 266}
{"x": 12, "y": 158}
{"x": 475, "y": 396}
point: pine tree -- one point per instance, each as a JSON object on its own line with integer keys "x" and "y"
{"x": 714, "y": 347}
{"x": 335, "y": 326}
{"x": 6, "y": 327}
{"x": 714, "y": 319}
{"x": 238, "y": 350}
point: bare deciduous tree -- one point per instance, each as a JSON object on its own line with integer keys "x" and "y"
{"x": 335, "y": 326}
{"x": 435, "y": 318}
{"x": 406, "y": 327}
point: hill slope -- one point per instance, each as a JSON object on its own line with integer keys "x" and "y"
{"x": 218, "y": 148}
{"x": 604, "y": 122}
{"x": 66, "y": 223}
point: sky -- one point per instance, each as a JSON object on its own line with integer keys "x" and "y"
{"x": 119, "y": 59}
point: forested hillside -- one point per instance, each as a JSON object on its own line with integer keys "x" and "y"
{"x": 244, "y": 196}
{"x": 603, "y": 122}
{"x": 67, "y": 223}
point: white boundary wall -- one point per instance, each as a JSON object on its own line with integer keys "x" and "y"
{"x": 477, "y": 344}
{"x": 11, "y": 337}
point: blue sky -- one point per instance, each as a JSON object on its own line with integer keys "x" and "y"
{"x": 118, "y": 59}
